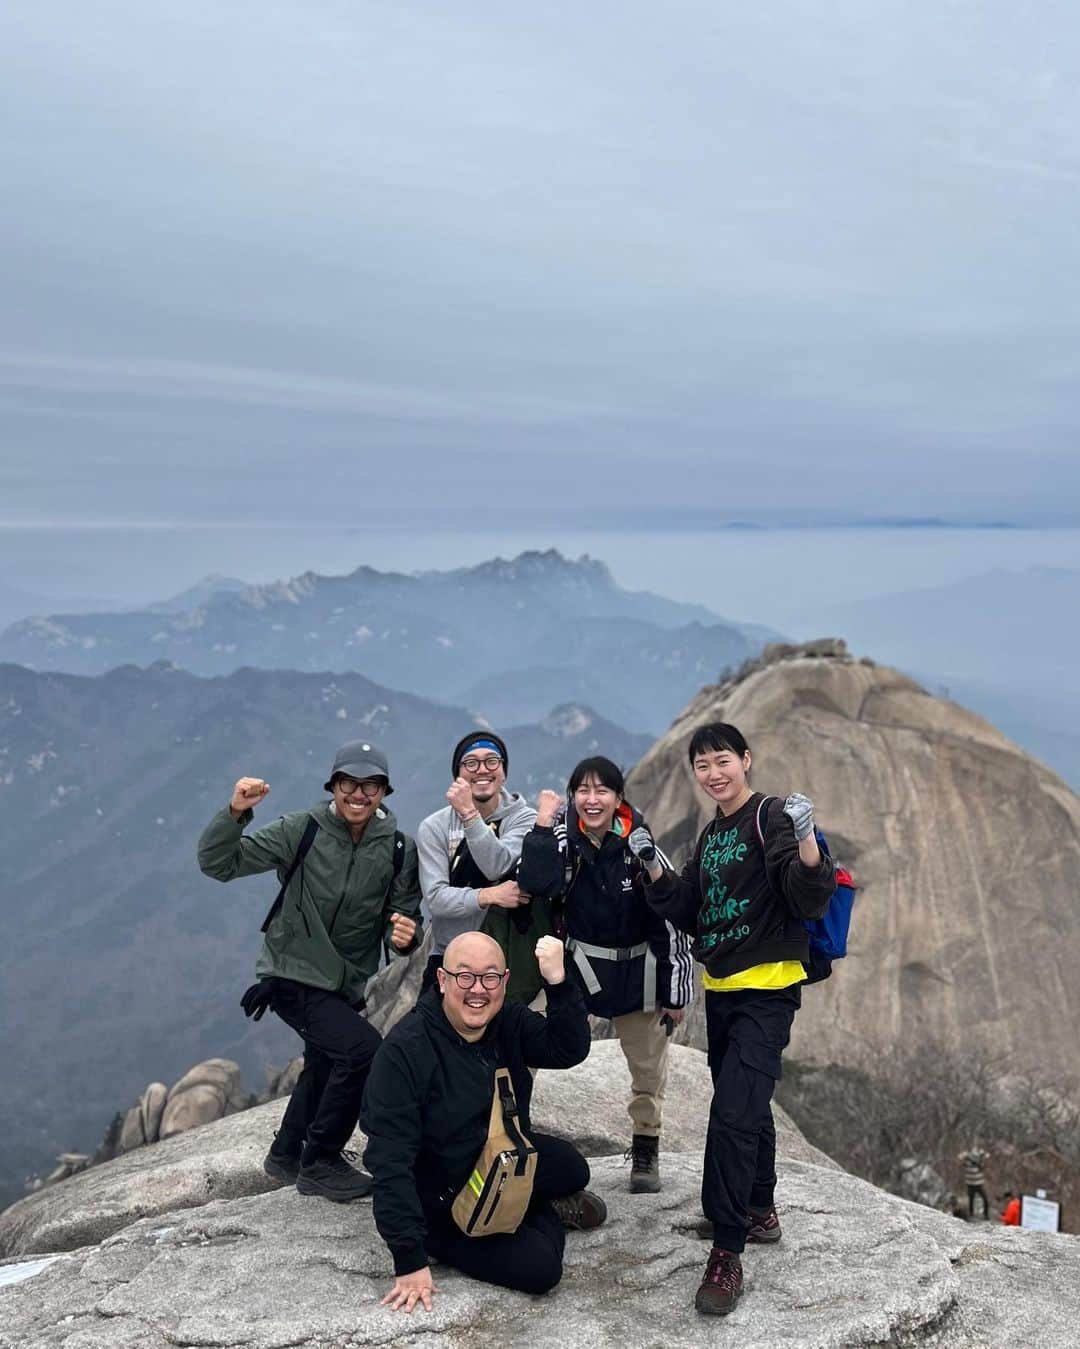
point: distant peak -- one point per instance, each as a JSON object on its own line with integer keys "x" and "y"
{"x": 549, "y": 564}
{"x": 568, "y": 719}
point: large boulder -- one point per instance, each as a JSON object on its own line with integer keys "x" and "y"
{"x": 856, "y": 1267}
{"x": 221, "y": 1160}
{"x": 209, "y": 1091}
{"x": 966, "y": 851}
{"x": 142, "y": 1123}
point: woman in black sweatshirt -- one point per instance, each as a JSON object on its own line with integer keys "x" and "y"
{"x": 756, "y": 875}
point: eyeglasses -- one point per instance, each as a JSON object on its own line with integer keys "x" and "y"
{"x": 466, "y": 979}
{"x": 370, "y": 786}
{"x": 472, "y": 763}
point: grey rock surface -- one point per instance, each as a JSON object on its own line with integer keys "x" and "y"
{"x": 856, "y": 1267}
{"x": 224, "y": 1159}
{"x": 209, "y": 1091}
{"x": 142, "y": 1123}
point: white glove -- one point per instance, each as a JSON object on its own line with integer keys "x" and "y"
{"x": 641, "y": 844}
{"x": 800, "y": 811}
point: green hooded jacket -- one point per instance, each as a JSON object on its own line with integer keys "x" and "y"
{"x": 329, "y": 931}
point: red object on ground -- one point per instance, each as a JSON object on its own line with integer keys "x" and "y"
{"x": 1011, "y": 1216}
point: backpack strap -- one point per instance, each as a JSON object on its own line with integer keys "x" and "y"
{"x": 399, "y": 852}
{"x": 762, "y": 804}
{"x": 306, "y": 840}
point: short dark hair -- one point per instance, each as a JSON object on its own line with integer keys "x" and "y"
{"x": 716, "y": 736}
{"x": 605, "y": 772}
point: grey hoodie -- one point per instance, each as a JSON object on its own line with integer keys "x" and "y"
{"x": 455, "y": 909}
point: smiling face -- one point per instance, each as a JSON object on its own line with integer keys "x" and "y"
{"x": 485, "y": 773}
{"x": 469, "y": 1010}
{"x": 596, "y": 804}
{"x": 356, "y": 802}
{"x": 722, "y": 773}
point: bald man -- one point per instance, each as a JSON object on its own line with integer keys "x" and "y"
{"x": 426, "y": 1112}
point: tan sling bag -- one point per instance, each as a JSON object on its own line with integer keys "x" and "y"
{"x": 497, "y": 1193}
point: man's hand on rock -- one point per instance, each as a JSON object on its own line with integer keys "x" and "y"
{"x": 246, "y": 795}
{"x": 461, "y": 798}
{"x": 549, "y": 956}
{"x": 408, "y": 1289}
{"x": 402, "y": 931}
{"x": 548, "y": 805}
{"x": 505, "y": 895}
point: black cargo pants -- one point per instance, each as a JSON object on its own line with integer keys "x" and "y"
{"x": 748, "y": 1030}
{"x": 338, "y": 1048}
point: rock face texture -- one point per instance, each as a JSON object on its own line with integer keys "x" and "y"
{"x": 224, "y": 1159}
{"x": 966, "y": 850}
{"x": 855, "y": 1267}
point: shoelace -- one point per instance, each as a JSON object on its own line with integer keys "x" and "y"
{"x": 639, "y": 1157}
{"x": 722, "y": 1271}
{"x": 342, "y": 1162}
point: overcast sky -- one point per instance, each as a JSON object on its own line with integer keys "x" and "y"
{"x": 628, "y": 262}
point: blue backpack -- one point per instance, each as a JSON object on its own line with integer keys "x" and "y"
{"x": 829, "y": 933}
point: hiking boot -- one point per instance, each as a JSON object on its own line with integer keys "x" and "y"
{"x": 721, "y": 1285}
{"x": 580, "y": 1212}
{"x": 764, "y": 1227}
{"x": 644, "y": 1157}
{"x": 282, "y": 1167}
{"x": 333, "y": 1178}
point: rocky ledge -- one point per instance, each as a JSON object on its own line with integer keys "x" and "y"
{"x": 855, "y": 1267}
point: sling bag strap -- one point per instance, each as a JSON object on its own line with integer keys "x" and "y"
{"x": 307, "y": 839}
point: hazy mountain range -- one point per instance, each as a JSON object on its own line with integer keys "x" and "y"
{"x": 506, "y": 639}
{"x": 119, "y": 958}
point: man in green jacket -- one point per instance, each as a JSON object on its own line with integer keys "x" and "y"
{"x": 351, "y": 884}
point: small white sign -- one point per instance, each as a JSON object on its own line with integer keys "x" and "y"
{"x": 1039, "y": 1215}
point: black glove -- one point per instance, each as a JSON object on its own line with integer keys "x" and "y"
{"x": 257, "y": 998}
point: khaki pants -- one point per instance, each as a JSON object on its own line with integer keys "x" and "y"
{"x": 645, "y": 1048}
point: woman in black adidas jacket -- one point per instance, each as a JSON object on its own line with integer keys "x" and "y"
{"x": 757, "y": 873}
{"x": 632, "y": 966}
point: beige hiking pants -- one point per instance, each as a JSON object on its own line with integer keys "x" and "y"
{"x": 645, "y": 1048}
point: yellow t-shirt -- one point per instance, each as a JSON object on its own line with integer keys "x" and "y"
{"x": 776, "y": 974}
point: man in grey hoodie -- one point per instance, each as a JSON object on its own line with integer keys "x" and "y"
{"x": 469, "y": 850}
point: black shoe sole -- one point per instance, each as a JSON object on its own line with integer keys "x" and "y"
{"x": 770, "y": 1240}
{"x": 314, "y": 1187}
{"x": 644, "y": 1184}
{"x": 282, "y": 1171}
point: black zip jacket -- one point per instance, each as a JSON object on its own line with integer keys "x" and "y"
{"x": 428, "y": 1102}
{"x": 744, "y": 905}
{"x": 605, "y": 905}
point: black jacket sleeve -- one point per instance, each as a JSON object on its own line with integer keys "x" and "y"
{"x": 562, "y": 1038}
{"x": 807, "y": 890}
{"x": 542, "y": 870}
{"x": 392, "y": 1119}
{"x": 677, "y": 897}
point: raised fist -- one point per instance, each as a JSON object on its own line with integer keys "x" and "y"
{"x": 641, "y": 844}
{"x": 402, "y": 931}
{"x": 247, "y": 794}
{"x": 549, "y": 956}
{"x": 800, "y": 811}
{"x": 461, "y": 798}
{"x": 548, "y": 805}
